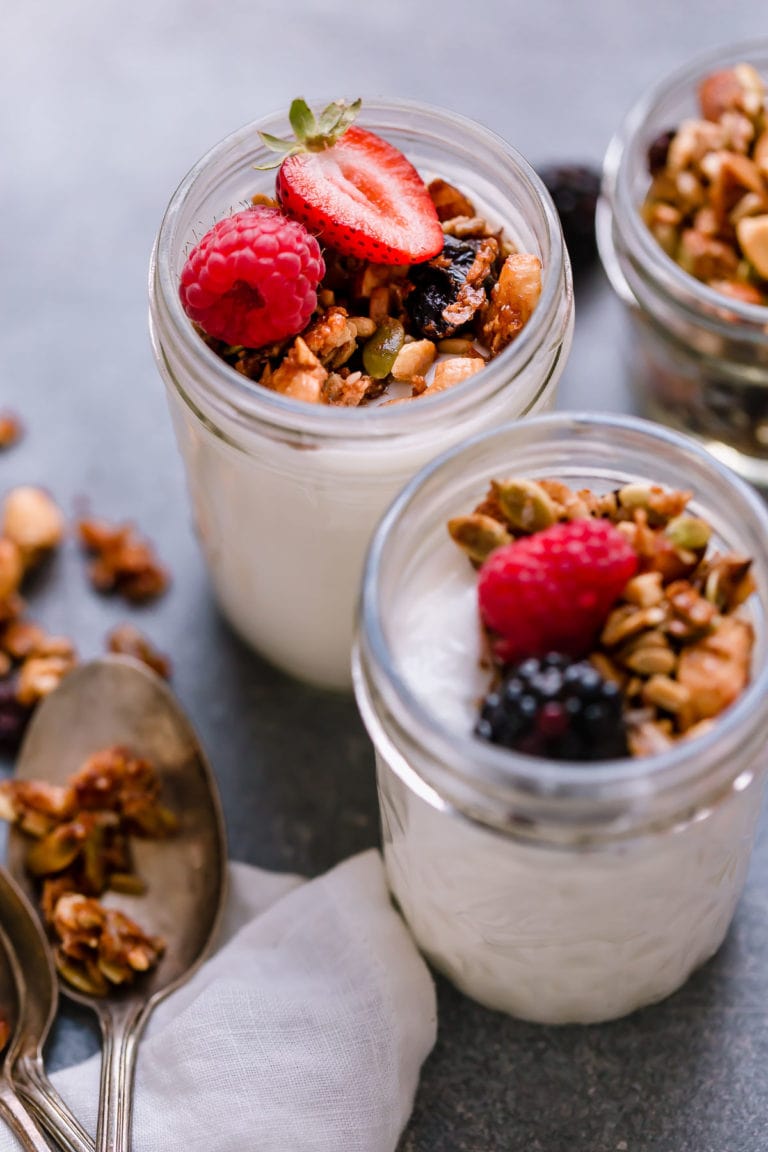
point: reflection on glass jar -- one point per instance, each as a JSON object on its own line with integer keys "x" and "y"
{"x": 553, "y": 890}
{"x": 698, "y": 359}
{"x": 286, "y": 494}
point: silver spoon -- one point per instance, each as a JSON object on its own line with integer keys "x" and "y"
{"x": 27, "y": 942}
{"x": 116, "y": 700}
{"x": 12, "y": 997}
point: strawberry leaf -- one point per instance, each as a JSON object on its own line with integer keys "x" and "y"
{"x": 302, "y": 119}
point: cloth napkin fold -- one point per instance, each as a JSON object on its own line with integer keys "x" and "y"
{"x": 304, "y": 1032}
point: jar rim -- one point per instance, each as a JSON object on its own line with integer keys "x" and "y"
{"x": 250, "y": 400}
{"x": 646, "y": 252}
{"x": 488, "y": 768}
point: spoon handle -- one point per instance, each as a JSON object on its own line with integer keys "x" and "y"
{"x": 36, "y": 1090}
{"x": 121, "y": 1025}
{"x": 21, "y": 1122}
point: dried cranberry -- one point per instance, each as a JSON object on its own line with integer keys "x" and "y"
{"x": 658, "y": 151}
{"x": 14, "y": 717}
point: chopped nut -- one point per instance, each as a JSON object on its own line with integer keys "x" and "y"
{"x": 449, "y": 201}
{"x": 453, "y": 371}
{"x": 300, "y": 375}
{"x": 414, "y": 359}
{"x": 728, "y": 581}
{"x": 39, "y": 676}
{"x": 715, "y": 669}
{"x": 648, "y": 739}
{"x": 364, "y": 326}
{"x": 648, "y": 655}
{"x": 513, "y": 299}
{"x": 21, "y": 638}
{"x": 645, "y": 590}
{"x": 124, "y": 563}
{"x": 752, "y": 232}
{"x": 666, "y": 693}
{"x": 692, "y": 614}
{"x": 32, "y": 520}
{"x": 627, "y": 621}
{"x": 126, "y": 640}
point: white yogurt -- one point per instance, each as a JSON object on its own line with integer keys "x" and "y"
{"x": 551, "y": 934}
{"x": 284, "y": 507}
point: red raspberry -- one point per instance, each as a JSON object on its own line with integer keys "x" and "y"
{"x": 252, "y": 279}
{"x": 552, "y": 591}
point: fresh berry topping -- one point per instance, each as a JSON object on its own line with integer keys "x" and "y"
{"x": 252, "y": 279}
{"x": 552, "y": 591}
{"x": 555, "y": 708}
{"x": 575, "y": 189}
{"x": 355, "y": 191}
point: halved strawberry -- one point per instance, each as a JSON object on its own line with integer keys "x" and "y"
{"x": 353, "y": 190}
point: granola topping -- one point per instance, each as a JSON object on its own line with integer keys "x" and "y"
{"x": 453, "y": 313}
{"x": 708, "y": 201}
{"x": 674, "y": 642}
{"x": 79, "y": 848}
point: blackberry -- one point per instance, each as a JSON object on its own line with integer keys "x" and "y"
{"x": 555, "y": 707}
{"x": 575, "y": 189}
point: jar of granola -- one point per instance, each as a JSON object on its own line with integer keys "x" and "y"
{"x": 286, "y": 493}
{"x": 686, "y": 169}
{"x": 565, "y": 890}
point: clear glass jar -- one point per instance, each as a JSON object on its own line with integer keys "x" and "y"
{"x": 697, "y": 359}
{"x": 286, "y": 494}
{"x": 559, "y": 892}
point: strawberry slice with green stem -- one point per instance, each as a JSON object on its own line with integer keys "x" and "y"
{"x": 356, "y": 192}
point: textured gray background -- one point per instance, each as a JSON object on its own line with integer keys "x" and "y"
{"x": 103, "y": 107}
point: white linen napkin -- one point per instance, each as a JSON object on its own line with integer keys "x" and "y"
{"x": 303, "y": 1032}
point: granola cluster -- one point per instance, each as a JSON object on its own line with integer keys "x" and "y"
{"x": 122, "y": 561}
{"x": 390, "y": 332}
{"x": 674, "y": 643}
{"x": 708, "y": 201}
{"x": 79, "y": 848}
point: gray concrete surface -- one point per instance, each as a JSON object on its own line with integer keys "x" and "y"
{"x": 103, "y": 107}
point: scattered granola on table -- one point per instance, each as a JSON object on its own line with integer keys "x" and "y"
{"x": 123, "y": 562}
{"x": 32, "y": 662}
{"x": 613, "y": 628}
{"x": 11, "y": 429}
{"x": 79, "y": 848}
{"x": 413, "y": 291}
{"x": 127, "y": 640}
{"x": 708, "y": 201}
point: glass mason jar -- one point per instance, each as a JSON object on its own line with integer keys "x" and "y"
{"x": 286, "y": 494}
{"x": 697, "y": 359}
{"x": 557, "y": 891}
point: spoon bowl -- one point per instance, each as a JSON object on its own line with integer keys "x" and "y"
{"x": 118, "y": 701}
